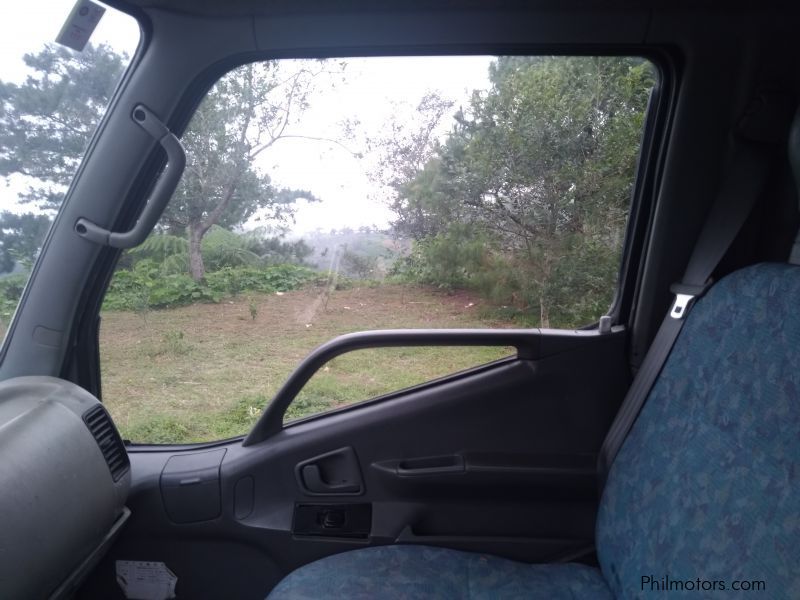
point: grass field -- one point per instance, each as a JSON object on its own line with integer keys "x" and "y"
{"x": 206, "y": 371}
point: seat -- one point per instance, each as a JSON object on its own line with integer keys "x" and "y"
{"x": 413, "y": 572}
{"x": 703, "y": 493}
{"x": 708, "y": 478}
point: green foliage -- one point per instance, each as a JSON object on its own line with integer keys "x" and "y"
{"x": 317, "y": 398}
{"x": 21, "y": 236}
{"x": 575, "y": 293}
{"x": 245, "y": 113}
{"x": 450, "y": 260}
{"x": 360, "y": 265}
{"x": 46, "y": 122}
{"x": 11, "y": 287}
{"x": 171, "y": 252}
{"x": 201, "y": 426}
{"x": 154, "y": 275}
{"x": 146, "y": 286}
{"x": 157, "y": 429}
{"x": 538, "y": 170}
{"x": 278, "y": 278}
{"x": 222, "y": 249}
{"x": 239, "y": 419}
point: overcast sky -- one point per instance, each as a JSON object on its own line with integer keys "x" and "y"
{"x": 374, "y": 91}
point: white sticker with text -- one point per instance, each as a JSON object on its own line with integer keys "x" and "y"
{"x": 146, "y": 580}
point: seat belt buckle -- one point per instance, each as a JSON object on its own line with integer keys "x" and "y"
{"x": 681, "y": 305}
{"x": 685, "y": 296}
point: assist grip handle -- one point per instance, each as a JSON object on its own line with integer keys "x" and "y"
{"x": 165, "y": 187}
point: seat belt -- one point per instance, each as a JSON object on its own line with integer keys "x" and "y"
{"x": 794, "y": 162}
{"x": 748, "y": 170}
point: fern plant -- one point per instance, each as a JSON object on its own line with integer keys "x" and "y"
{"x": 223, "y": 248}
{"x": 169, "y": 251}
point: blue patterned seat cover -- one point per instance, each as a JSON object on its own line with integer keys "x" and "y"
{"x": 706, "y": 486}
{"x": 423, "y": 572}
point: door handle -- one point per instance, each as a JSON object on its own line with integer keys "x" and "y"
{"x": 333, "y": 473}
{"x": 312, "y": 478}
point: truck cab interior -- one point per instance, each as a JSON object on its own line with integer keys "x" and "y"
{"x": 656, "y": 449}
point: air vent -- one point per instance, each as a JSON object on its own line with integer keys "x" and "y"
{"x": 99, "y": 423}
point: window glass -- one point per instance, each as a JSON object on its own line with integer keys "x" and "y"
{"x": 364, "y": 374}
{"x": 51, "y": 100}
{"x": 323, "y": 197}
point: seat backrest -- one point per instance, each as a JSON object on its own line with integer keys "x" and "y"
{"x": 707, "y": 483}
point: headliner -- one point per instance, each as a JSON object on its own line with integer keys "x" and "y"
{"x": 234, "y": 8}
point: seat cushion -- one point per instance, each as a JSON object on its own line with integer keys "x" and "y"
{"x": 420, "y": 572}
{"x": 706, "y": 484}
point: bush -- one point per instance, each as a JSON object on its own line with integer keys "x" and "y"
{"x": 11, "y": 287}
{"x": 575, "y": 291}
{"x": 147, "y": 286}
{"x": 278, "y": 278}
{"x": 570, "y": 286}
{"x": 449, "y": 260}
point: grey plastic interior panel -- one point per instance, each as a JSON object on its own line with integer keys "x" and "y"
{"x": 390, "y": 29}
{"x": 190, "y": 486}
{"x": 59, "y": 500}
{"x": 68, "y": 588}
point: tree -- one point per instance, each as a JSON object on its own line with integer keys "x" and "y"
{"x": 46, "y": 123}
{"x": 21, "y": 237}
{"x": 405, "y": 149}
{"x": 244, "y": 115}
{"x": 541, "y": 164}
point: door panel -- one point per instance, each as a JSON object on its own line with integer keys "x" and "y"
{"x": 499, "y": 460}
